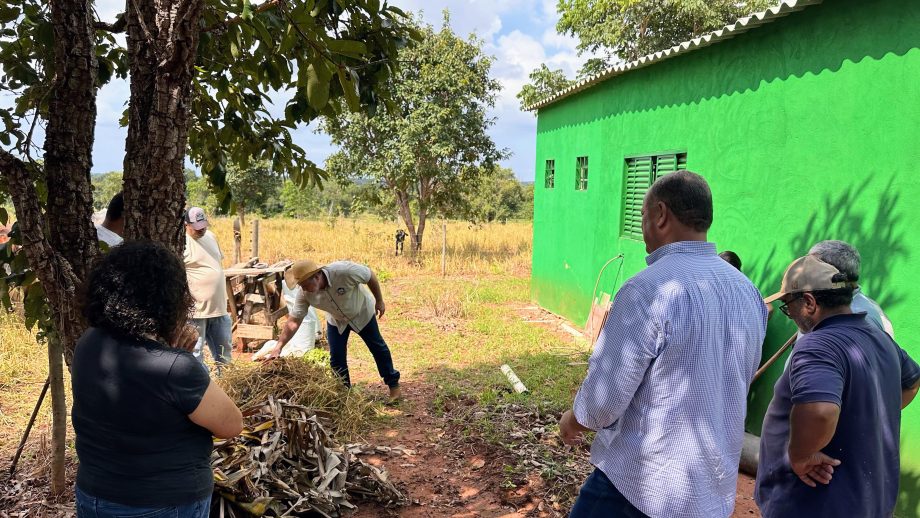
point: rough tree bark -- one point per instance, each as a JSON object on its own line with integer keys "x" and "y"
{"x": 162, "y": 38}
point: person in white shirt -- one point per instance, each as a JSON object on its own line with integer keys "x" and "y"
{"x": 336, "y": 289}
{"x": 206, "y": 282}
{"x": 113, "y": 226}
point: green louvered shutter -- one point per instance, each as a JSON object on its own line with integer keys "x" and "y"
{"x": 638, "y": 179}
{"x": 665, "y": 164}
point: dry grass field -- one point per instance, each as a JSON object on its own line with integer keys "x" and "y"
{"x": 491, "y": 249}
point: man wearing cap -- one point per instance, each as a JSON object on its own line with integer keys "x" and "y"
{"x": 209, "y": 289}
{"x": 336, "y": 289}
{"x": 830, "y": 439}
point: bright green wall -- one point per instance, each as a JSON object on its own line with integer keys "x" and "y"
{"x": 807, "y": 129}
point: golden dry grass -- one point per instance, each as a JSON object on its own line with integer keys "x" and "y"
{"x": 23, "y": 369}
{"x": 492, "y": 249}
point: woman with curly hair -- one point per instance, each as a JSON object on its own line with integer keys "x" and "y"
{"x": 144, "y": 410}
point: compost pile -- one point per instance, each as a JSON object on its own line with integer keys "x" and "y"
{"x": 286, "y": 461}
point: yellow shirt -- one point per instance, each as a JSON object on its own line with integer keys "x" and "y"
{"x": 206, "y": 275}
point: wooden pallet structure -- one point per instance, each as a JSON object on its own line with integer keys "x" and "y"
{"x": 254, "y": 297}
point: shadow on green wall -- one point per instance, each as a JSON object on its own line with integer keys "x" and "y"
{"x": 908, "y": 495}
{"x": 822, "y": 39}
{"x": 878, "y": 232}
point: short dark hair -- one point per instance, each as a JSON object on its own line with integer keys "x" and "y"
{"x": 687, "y": 196}
{"x": 138, "y": 288}
{"x": 834, "y": 298}
{"x": 731, "y": 258}
{"x": 116, "y": 208}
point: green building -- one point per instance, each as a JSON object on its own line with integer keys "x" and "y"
{"x": 805, "y": 120}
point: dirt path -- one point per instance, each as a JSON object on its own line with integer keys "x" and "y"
{"x": 442, "y": 481}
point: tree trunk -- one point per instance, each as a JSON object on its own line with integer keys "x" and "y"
{"x": 59, "y": 253}
{"x": 162, "y": 37}
{"x": 422, "y": 219}
{"x": 60, "y": 286}
{"x": 402, "y": 204}
{"x": 58, "y": 414}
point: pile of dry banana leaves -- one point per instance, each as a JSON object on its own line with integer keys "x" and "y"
{"x": 285, "y": 463}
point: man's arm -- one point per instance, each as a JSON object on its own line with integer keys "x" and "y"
{"x": 374, "y": 286}
{"x": 623, "y": 352}
{"x": 812, "y": 426}
{"x": 287, "y": 331}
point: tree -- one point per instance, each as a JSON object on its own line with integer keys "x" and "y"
{"x": 499, "y": 197}
{"x": 629, "y": 29}
{"x": 251, "y": 187}
{"x": 543, "y": 83}
{"x": 200, "y": 73}
{"x": 431, "y": 150}
{"x": 625, "y": 30}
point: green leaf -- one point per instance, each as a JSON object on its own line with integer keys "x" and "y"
{"x": 350, "y": 48}
{"x": 247, "y": 10}
{"x": 349, "y": 81}
{"x": 4, "y": 216}
{"x": 317, "y": 85}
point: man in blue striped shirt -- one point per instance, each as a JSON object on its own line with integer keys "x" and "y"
{"x": 667, "y": 383}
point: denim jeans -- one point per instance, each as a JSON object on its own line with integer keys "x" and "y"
{"x": 92, "y": 507}
{"x": 599, "y": 498}
{"x": 338, "y": 349}
{"x": 216, "y": 332}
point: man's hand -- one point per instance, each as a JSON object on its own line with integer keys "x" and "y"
{"x": 818, "y": 468}
{"x": 186, "y": 338}
{"x": 380, "y": 308}
{"x": 571, "y": 432}
{"x": 274, "y": 353}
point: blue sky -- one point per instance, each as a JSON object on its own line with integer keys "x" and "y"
{"x": 519, "y": 34}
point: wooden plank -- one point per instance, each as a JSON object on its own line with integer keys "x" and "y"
{"x": 231, "y": 302}
{"x": 253, "y": 331}
{"x": 254, "y": 271}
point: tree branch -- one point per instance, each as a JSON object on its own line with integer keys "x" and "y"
{"x": 121, "y": 23}
{"x": 270, "y": 4}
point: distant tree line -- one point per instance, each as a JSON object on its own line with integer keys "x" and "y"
{"x": 499, "y": 198}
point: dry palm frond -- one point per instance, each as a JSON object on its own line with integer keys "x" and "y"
{"x": 285, "y": 464}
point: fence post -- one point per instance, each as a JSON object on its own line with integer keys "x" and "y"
{"x": 255, "y": 238}
{"x": 443, "y": 248}
{"x": 237, "y": 240}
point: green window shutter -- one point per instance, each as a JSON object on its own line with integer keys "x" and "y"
{"x": 665, "y": 164}
{"x": 638, "y": 179}
{"x": 681, "y": 161}
{"x": 549, "y": 180}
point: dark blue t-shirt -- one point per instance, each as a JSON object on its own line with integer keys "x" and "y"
{"x": 848, "y": 361}
{"x": 135, "y": 442}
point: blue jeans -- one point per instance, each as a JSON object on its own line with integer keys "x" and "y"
{"x": 598, "y": 498}
{"x": 338, "y": 349}
{"x": 92, "y": 507}
{"x": 216, "y": 332}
